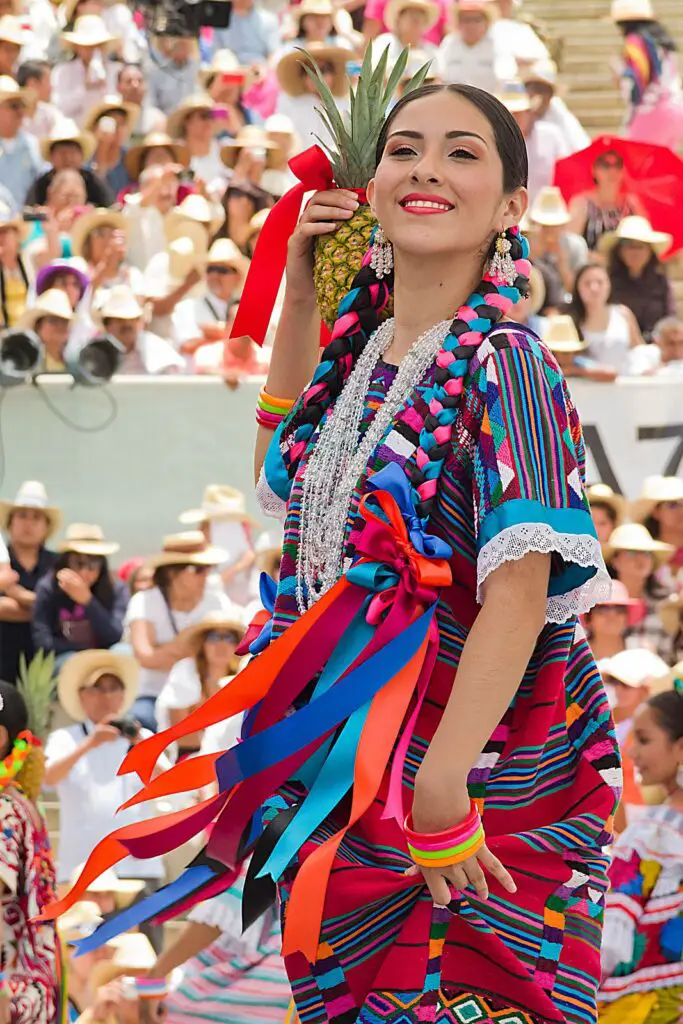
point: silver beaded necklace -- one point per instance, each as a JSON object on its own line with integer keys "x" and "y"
{"x": 339, "y": 458}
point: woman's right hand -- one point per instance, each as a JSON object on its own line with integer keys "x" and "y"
{"x": 322, "y": 216}
{"x": 103, "y": 733}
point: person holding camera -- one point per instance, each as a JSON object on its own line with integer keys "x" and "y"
{"x": 96, "y": 688}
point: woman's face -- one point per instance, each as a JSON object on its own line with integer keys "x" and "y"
{"x": 669, "y": 515}
{"x": 103, "y": 699}
{"x": 223, "y": 281}
{"x": 189, "y": 582}
{"x": 144, "y": 579}
{"x": 199, "y": 126}
{"x": 9, "y": 244}
{"x": 317, "y": 27}
{"x": 472, "y": 26}
{"x": 633, "y": 565}
{"x": 608, "y": 621}
{"x": 219, "y": 648}
{"x": 411, "y": 26}
{"x": 70, "y": 284}
{"x": 88, "y": 567}
{"x": 603, "y": 522}
{"x": 157, "y": 156}
{"x": 53, "y": 331}
{"x": 326, "y": 69}
{"x": 635, "y": 255}
{"x": 100, "y": 239}
{"x": 594, "y": 288}
{"x": 608, "y": 171}
{"x": 654, "y": 753}
{"x": 441, "y": 149}
{"x": 68, "y": 193}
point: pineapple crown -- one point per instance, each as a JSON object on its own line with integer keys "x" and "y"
{"x": 36, "y": 686}
{"x": 354, "y": 155}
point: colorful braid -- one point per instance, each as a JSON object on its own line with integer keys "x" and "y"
{"x": 359, "y": 316}
{"x": 485, "y": 307}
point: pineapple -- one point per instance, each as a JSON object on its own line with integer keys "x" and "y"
{"x": 338, "y": 256}
{"x": 36, "y": 686}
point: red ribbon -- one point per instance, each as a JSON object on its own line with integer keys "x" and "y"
{"x": 314, "y": 171}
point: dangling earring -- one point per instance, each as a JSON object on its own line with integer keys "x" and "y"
{"x": 501, "y": 265}
{"x": 382, "y": 254}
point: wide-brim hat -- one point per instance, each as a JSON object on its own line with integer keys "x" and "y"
{"x": 32, "y": 495}
{"x": 193, "y": 208}
{"x": 9, "y": 90}
{"x": 9, "y": 219}
{"x": 109, "y": 105}
{"x": 224, "y": 253}
{"x": 84, "y": 668}
{"x": 251, "y": 136}
{"x": 187, "y": 252}
{"x": 89, "y": 30}
{"x": 636, "y": 537}
{"x": 68, "y": 131}
{"x": 155, "y": 140}
{"x": 560, "y": 335}
{"x": 602, "y": 494}
{"x": 12, "y": 30}
{"x": 542, "y": 71}
{"x": 393, "y": 9}
{"x": 79, "y": 921}
{"x": 656, "y": 489}
{"x": 65, "y": 266}
{"x": 220, "y": 502}
{"x": 120, "y": 304}
{"x": 87, "y": 539}
{"x": 635, "y": 229}
{"x": 224, "y": 62}
{"x": 87, "y": 222}
{"x": 514, "y": 96}
{"x": 190, "y": 548}
{"x": 670, "y": 613}
{"x": 485, "y": 7}
{"x": 634, "y": 667}
{"x": 175, "y": 124}
{"x": 53, "y": 302}
{"x": 123, "y": 889}
{"x": 632, "y": 10}
{"x": 194, "y": 635}
{"x": 549, "y": 208}
{"x": 289, "y": 68}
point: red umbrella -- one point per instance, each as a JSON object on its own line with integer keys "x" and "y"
{"x": 654, "y": 174}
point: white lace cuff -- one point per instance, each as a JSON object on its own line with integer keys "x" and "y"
{"x": 581, "y": 549}
{"x": 269, "y": 502}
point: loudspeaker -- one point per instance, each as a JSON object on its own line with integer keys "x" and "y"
{"x": 94, "y": 362}
{"x": 21, "y": 357}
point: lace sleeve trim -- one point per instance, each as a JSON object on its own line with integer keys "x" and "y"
{"x": 269, "y": 502}
{"x": 514, "y": 542}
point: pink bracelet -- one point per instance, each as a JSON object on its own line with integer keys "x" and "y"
{"x": 452, "y": 846}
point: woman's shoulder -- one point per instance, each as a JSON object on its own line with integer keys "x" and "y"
{"x": 145, "y": 602}
{"x": 183, "y": 686}
{"x": 48, "y": 584}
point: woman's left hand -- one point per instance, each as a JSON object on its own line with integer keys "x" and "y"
{"x": 441, "y": 801}
{"x": 74, "y": 586}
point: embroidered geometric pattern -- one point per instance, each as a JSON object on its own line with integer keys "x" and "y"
{"x": 450, "y": 1008}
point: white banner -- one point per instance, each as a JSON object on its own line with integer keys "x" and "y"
{"x": 633, "y": 429}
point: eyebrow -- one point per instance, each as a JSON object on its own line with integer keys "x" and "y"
{"x": 449, "y": 135}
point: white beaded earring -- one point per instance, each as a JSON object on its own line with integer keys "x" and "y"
{"x": 382, "y": 254}
{"x": 501, "y": 265}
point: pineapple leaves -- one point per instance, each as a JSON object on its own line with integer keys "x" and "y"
{"x": 36, "y": 686}
{"x": 418, "y": 78}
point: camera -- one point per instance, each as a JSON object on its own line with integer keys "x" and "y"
{"x": 128, "y": 727}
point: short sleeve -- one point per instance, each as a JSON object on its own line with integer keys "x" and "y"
{"x": 60, "y": 744}
{"x": 182, "y": 689}
{"x": 528, "y": 464}
{"x": 11, "y": 831}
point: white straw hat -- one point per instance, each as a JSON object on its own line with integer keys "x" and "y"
{"x": 635, "y": 537}
{"x": 12, "y": 31}
{"x": 66, "y": 130}
{"x": 634, "y": 667}
{"x": 89, "y": 30}
{"x": 632, "y": 10}
{"x": 394, "y": 8}
{"x": 82, "y": 671}
{"x": 220, "y": 501}
{"x": 31, "y": 494}
{"x": 53, "y": 302}
{"x": 560, "y": 335}
{"x": 120, "y": 304}
{"x": 602, "y": 494}
{"x": 549, "y": 208}
{"x": 635, "y": 229}
{"x": 87, "y": 539}
{"x": 110, "y": 105}
{"x": 193, "y": 208}
{"x": 189, "y": 548}
{"x": 656, "y": 489}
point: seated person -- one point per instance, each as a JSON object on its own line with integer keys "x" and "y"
{"x": 122, "y": 318}
{"x": 51, "y": 318}
{"x": 668, "y": 339}
{"x": 562, "y": 338}
{"x": 110, "y": 123}
{"x": 67, "y": 148}
{"x": 65, "y": 275}
{"x": 203, "y": 319}
{"x": 14, "y": 271}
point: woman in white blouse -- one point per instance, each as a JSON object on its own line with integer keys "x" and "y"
{"x": 192, "y": 681}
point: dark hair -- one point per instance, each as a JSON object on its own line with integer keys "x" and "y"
{"x": 259, "y": 197}
{"x": 125, "y": 67}
{"x": 14, "y": 715}
{"x": 148, "y": 150}
{"x": 507, "y": 133}
{"x": 654, "y": 267}
{"x": 576, "y": 307}
{"x": 653, "y": 29}
{"x": 103, "y": 588}
{"x": 30, "y": 70}
{"x": 668, "y": 708}
{"x": 609, "y": 510}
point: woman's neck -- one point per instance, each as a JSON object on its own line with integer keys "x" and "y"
{"x": 635, "y": 586}
{"x": 10, "y": 263}
{"x": 425, "y": 294}
{"x": 199, "y": 147}
{"x": 596, "y": 317}
{"x": 182, "y": 603}
{"x": 609, "y": 195}
{"x": 606, "y": 646}
{"x": 212, "y": 677}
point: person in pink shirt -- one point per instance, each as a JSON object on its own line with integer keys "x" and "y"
{"x": 374, "y": 22}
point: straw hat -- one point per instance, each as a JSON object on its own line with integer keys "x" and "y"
{"x": 87, "y": 539}
{"x": 670, "y": 613}
{"x": 124, "y": 889}
{"x": 279, "y": 124}
{"x": 120, "y": 304}
{"x": 220, "y": 501}
{"x": 543, "y": 71}
{"x": 193, "y": 208}
{"x": 110, "y": 105}
{"x": 289, "y": 68}
{"x": 251, "y": 136}
{"x": 224, "y": 253}
{"x": 224, "y": 62}
{"x": 87, "y": 222}
{"x": 188, "y": 548}
{"x": 632, "y": 10}
{"x": 394, "y": 8}
{"x": 635, "y": 229}
{"x": 79, "y": 921}
{"x": 634, "y": 667}
{"x": 514, "y": 96}
{"x": 188, "y": 252}
{"x": 155, "y": 140}
{"x": 133, "y": 954}
{"x": 602, "y": 494}
{"x": 549, "y": 208}
{"x": 194, "y": 635}
{"x": 175, "y": 124}
{"x": 31, "y": 494}
{"x": 477, "y": 7}
{"x": 89, "y": 30}
{"x": 53, "y": 302}
{"x": 9, "y": 91}
{"x": 560, "y": 335}
{"x": 9, "y": 219}
{"x": 84, "y": 668}
{"x": 656, "y": 489}
{"x": 66, "y": 130}
{"x": 12, "y": 31}
{"x": 635, "y": 537}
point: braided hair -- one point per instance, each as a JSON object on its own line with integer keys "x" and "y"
{"x": 360, "y": 314}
